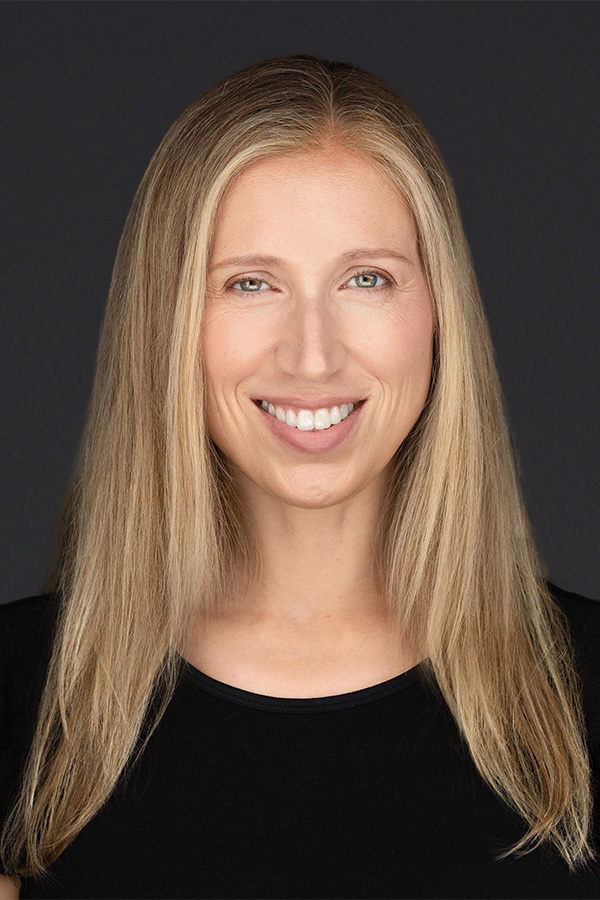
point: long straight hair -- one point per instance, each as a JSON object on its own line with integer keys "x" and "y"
{"x": 152, "y": 533}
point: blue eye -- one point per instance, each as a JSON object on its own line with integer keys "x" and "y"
{"x": 368, "y": 280}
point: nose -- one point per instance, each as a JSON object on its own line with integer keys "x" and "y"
{"x": 311, "y": 344}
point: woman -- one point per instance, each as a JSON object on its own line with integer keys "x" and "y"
{"x": 303, "y": 646}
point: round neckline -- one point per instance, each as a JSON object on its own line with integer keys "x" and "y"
{"x": 299, "y": 704}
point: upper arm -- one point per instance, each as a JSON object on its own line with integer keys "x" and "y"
{"x": 24, "y": 646}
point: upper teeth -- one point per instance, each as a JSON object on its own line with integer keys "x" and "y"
{"x": 305, "y": 419}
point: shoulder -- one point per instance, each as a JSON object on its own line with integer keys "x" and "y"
{"x": 26, "y": 632}
{"x": 583, "y": 618}
{"x": 32, "y": 611}
{"x": 27, "y": 626}
{"x": 581, "y": 611}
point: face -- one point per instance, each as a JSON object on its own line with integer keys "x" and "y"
{"x": 317, "y": 335}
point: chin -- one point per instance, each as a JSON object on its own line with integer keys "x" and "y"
{"x": 319, "y": 493}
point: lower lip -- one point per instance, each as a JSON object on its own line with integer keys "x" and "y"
{"x": 313, "y": 441}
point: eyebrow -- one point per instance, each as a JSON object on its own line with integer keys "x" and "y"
{"x": 345, "y": 257}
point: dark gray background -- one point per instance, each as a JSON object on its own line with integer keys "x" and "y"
{"x": 510, "y": 92}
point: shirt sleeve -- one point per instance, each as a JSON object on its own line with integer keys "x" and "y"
{"x": 26, "y": 628}
{"x": 583, "y": 615}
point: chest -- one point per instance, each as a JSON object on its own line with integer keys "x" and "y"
{"x": 375, "y": 800}
{"x": 302, "y": 663}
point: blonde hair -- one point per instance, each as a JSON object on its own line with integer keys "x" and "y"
{"x": 152, "y": 533}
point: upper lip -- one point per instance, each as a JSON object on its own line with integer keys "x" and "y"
{"x": 309, "y": 403}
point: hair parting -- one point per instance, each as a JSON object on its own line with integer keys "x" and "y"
{"x": 152, "y": 534}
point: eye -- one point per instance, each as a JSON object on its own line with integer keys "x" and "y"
{"x": 248, "y": 285}
{"x": 368, "y": 279}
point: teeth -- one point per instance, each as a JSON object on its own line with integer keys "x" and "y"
{"x": 322, "y": 419}
{"x": 305, "y": 419}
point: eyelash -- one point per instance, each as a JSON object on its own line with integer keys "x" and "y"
{"x": 231, "y": 285}
{"x": 386, "y": 278}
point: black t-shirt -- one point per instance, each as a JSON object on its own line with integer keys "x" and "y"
{"x": 368, "y": 794}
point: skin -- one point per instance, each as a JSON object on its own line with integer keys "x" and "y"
{"x": 316, "y": 624}
{"x": 311, "y": 329}
{"x": 9, "y": 889}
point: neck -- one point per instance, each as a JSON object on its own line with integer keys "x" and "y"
{"x": 316, "y": 563}
{"x": 315, "y": 622}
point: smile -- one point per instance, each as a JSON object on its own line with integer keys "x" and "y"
{"x": 306, "y": 419}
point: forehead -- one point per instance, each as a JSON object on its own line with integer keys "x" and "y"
{"x": 324, "y": 198}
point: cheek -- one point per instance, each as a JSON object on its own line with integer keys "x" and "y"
{"x": 234, "y": 349}
{"x": 401, "y": 351}
{"x": 231, "y": 351}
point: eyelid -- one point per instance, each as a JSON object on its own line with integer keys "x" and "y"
{"x": 250, "y": 276}
{"x": 271, "y": 282}
{"x": 372, "y": 271}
